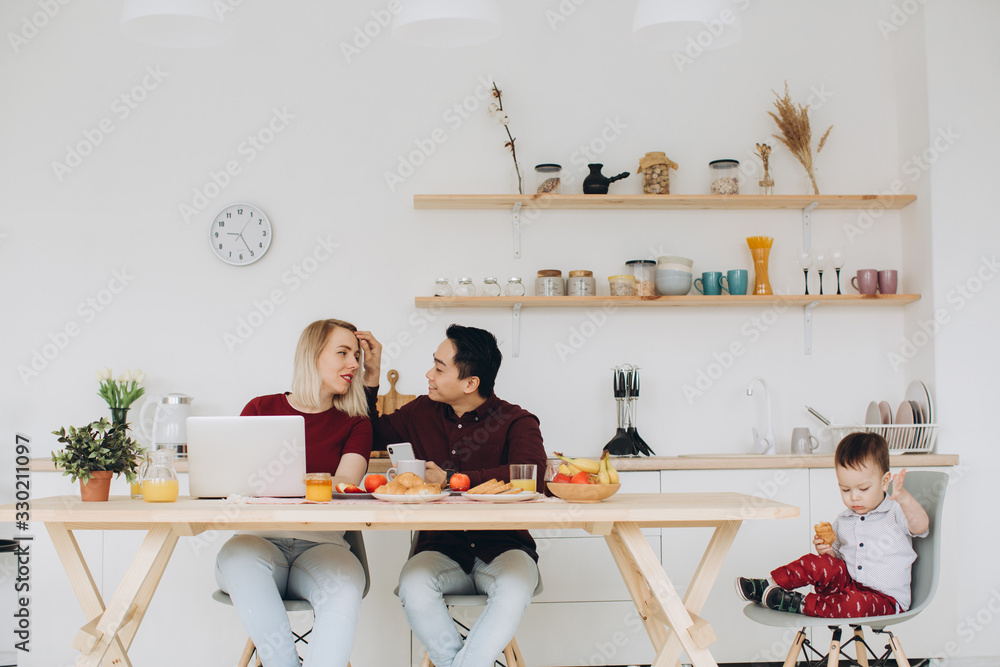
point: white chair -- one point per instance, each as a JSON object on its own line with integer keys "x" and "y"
{"x": 356, "y": 542}
{"x": 929, "y": 489}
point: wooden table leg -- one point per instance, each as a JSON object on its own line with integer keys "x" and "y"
{"x": 669, "y": 609}
{"x": 133, "y": 595}
{"x": 704, "y": 578}
{"x": 82, "y": 582}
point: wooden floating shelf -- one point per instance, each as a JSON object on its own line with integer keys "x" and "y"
{"x": 674, "y": 202}
{"x": 662, "y": 301}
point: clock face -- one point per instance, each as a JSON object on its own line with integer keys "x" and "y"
{"x": 240, "y": 234}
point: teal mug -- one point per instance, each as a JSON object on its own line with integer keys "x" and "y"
{"x": 710, "y": 283}
{"x": 736, "y": 281}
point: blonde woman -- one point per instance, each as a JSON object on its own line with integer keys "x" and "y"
{"x": 258, "y": 570}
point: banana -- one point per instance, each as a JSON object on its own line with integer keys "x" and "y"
{"x": 568, "y": 470}
{"x": 612, "y": 473}
{"x": 589, "y": 466}
{"x": 603, "y": 477}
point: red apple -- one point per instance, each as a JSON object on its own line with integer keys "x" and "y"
{"x": 460, "y": 482}
{"x": 374, "y": 481}
{"x": 562, "y": 479}
{"x": 345, "y": 487}
{"x": 581, "y": 478}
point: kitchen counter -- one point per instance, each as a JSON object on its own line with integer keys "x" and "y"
{"x": 683, "y": 462}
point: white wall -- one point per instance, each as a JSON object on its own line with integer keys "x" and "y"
{"x": 323, "y": 177}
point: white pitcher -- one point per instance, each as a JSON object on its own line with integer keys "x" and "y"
{"x": 169, "y": 422}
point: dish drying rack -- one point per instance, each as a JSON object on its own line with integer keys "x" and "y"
{"x": 902, "y": 438}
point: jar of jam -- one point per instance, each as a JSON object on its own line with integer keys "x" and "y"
{"x": 581, "y": 283}
{"x": 319, "y": 487}
{"x": 550, "y": 283}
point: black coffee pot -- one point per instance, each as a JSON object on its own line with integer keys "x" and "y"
{"x": 597, "y": 183}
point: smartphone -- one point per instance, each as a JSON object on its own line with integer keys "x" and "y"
{"x": 401, "y": 451}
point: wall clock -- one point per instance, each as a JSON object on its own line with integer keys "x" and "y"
{"x": 240, "y": 234}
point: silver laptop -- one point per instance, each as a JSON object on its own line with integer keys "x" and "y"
{"x": 246, "y": 456}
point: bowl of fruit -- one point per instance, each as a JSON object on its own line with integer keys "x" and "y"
{"x": 584, "y": 480}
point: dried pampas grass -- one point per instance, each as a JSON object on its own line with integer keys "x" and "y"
{"x": 793, "y": 121}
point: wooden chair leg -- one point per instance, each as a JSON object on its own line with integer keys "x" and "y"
{"x": 897, "y": 652}
{"x": 247, "y": 654}
{"x": 517, "y": 652}
{"x": 426, "y": 662}
{"x": 508, "y": 654}
{"x": 859, "y": 646}
{"x": 796, "y": 648}
{"x": 834, "y": 658}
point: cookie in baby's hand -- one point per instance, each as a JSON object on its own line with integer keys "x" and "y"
{"x": 825, "y": 532}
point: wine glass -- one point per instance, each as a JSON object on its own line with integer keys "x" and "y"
{"x": 805, "y": 260}
{"x": 837, "y": 259}
{"x": 820, "y": 258}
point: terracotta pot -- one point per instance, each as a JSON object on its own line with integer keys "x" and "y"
{"x": 98, "y": 488}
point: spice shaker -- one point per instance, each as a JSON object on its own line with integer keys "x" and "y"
{"x": 725, "y": 177}
{"x": 655, "y": 167}
{"x": 644, "y": 271}
{"x": 550, "y": 283}
{"x": 465, "y": 287}
{"x": 548, "y": 177}
{"x": 490, "y": 287}
{"x": 442, "y": 287}
{"x": 514, "y": 287}
{"x": 581, "y": 283}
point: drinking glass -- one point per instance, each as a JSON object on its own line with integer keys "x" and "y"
{"x": 522, "y": 476}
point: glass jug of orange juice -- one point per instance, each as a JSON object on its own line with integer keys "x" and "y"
{"x": 159, "y": 482}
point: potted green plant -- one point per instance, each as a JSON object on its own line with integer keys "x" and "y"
{"x": 94, "y": 453}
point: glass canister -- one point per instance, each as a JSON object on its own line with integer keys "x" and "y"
{"x": 644, "y": 271}
{"x": 135, "y": 487}
{"x": 514, "y": 287}
{"x": 655, "y": 168}
{"x": 581, "y": 283}
{"x": 725, "y": 177}
{"x": 548, "y": 178}
{"x": 465, "y": 287}
{"x": 159, "y": 483}
{"x": 442, "y": 287}
{"x": 550, "y": 283}
{"x": 622, "y": 285}
{"x": 490, "y": 287}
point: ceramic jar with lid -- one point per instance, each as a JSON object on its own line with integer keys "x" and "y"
{"x": 490, "y": 287}
{"x": 514, "y": 287}
{"x": 465, "y": 287}
{"x": 550, "y": 283}
{"x": 644, "y": 271}
{"x": 581, "y": 283}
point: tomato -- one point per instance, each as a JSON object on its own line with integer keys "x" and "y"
{"x": 460, "y": 482}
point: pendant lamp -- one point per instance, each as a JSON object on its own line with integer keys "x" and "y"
{"x": 179, "y": 24}
{"x": 447, "y": 23}
{"x": 674, "y": 25}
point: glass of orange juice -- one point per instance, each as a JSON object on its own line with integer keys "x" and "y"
{"x": 522, "y": 476}
{"x": 319, "y": 487}
{"x": 159, "y": 482}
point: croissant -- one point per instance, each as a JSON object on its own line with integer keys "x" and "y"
{"x": 424, "y": 490}
{"x": 408, "y": 480}
{"x": 825, "y": 532}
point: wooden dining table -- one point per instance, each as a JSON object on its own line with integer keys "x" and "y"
{"x": 671, "y": 621}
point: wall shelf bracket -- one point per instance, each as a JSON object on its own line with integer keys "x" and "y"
{"x": 515, "y": 343}
{"x": 808, "y": 315}
{"x": 807, "y": 226}
{"x": 517, "y": 231}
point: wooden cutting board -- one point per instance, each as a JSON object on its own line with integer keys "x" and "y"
{"x": 392, "y": 400}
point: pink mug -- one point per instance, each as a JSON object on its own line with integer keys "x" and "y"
{"x": 887, "y": 281}
{"x": 866, "y": 282}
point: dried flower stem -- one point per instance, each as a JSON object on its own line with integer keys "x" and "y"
{"x": 510, "y": 142}
{"x": 793, "y": 121}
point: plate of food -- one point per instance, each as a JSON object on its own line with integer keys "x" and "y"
{"x": 495, "y": 491}
{"x": 408, "y": 488}
{"x": 349, "y": 496}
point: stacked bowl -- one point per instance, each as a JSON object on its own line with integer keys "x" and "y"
{"x": 673, "y": 275}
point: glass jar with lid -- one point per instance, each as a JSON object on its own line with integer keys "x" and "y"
{"x": 514, "y": 287}
{"x": 490, "y": 287}
{"x": 442, "y": 287}
{"x": 465, "y": 287}
{"x": 581, "y": 283}
{"x": 550, "y": 283}
{"x": 159, "y": 482}
{"x": 644, "y": 271}
{"x": 548, "y": 178}
{"x": 725, "y": 177}
{"x": 622, "y": 285}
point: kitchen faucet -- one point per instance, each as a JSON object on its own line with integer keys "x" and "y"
{"x": 765, "y": 444}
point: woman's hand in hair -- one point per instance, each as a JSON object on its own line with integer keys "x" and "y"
{"x": 373, "y": 357}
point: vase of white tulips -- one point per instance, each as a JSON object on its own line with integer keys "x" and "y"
{"x": 120, "y": 394}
